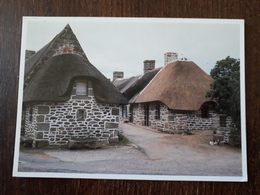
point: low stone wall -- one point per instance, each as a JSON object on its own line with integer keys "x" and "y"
{"x": 222, "y": 134}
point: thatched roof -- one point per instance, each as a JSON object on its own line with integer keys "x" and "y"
{"x": 29, "y": 64}
{"x": 49, "y": 74}
{"x": 122, "y": 84}
{"x": 36, "y": 61}
{"x": 180, "y": 85}
{"x": 53, "y": 82}
{"x": 132, "y": 86}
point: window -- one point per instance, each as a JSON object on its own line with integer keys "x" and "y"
{"x": 81, "y": 87}
{"x": 131, "y": 119}
{"x": 157, "y": 111}
{"x": 81, "y": 114}
{"x": 124, "y": 111}
{"x": 146, "y": 114}
{"x": 204, "y": 112}
{"x": 223, "y": 121}
{"x": 31, "y": 113}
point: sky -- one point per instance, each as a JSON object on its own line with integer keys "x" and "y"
{"x": 122, "y": 44}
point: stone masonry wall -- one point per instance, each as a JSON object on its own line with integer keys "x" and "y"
{"x": 180, "y": 121}
{"x": 154, "y": 122}
{"x": 138, "y": 114}
{"x": 124, "y": 113}
{"x": 79, "y": 117}
{"x": 30, "y": 120}
{"x": 160, "y": 123}
{"x": 175, "y": 121}
{"x": 223, "y": 132}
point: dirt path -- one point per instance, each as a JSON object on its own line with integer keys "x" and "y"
{"x": 150, "y": 152}
{"x": 162, "y": 145}
{"x": 191, "y": 153}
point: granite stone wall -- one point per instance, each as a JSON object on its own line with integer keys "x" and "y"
{"x": 178, "y": 122}
{"x": 159, "y": 120}
{"x": 138, "y": 114}
{"x": 124, "y": 113}
{"x": 223, "y": 132}
{"x": 29, "y": 120}
{"x": 79, "y": 117}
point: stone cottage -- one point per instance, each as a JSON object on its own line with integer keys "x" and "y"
{"x": 66, "y": 97}
{"x": 131, "y": 87}
{"x": 172, "y": 98}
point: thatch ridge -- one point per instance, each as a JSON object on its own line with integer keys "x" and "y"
{"x": 53, "y": 81}
{"x": 181, "y": 85}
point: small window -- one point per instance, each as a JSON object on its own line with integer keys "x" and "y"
{"x": 81, "y": 114}
{"x": 157, "y": 112}
{"x": 223, "y": 121}
{"x": 124, "y": 111}
{"x": 81, "y": 88}
{"x": 30, "y": 113}
{"x": 205, "y": 112}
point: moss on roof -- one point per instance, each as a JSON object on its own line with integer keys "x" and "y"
{"x": 53, "y": 82}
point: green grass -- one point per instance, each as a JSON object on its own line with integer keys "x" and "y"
{"x": 123, "y": 140}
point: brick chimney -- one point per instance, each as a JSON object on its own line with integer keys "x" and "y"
{"x": 170, "y": 57}
{"x": 149, "y": 65}
{"x": 117, "y": 75}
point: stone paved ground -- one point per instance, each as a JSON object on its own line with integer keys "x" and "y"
{"x": 150, "y": 152}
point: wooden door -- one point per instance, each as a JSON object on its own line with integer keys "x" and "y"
{"x": 146, "y": 114}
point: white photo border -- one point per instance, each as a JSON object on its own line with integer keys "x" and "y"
{"x": 242, "y": 178}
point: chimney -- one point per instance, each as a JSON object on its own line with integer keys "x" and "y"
{"x": 28, "y": 54}
{"x": 117, "y": 75}
{"x": 149, "y": 65}
{"x": 170, "y": 57}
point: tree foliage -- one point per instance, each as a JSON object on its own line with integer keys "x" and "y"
{"x": 226, "y": 88}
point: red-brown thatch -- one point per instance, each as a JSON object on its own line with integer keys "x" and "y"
{"x": 180, "y": 85}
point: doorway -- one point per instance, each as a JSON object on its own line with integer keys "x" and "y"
{"x": 131, "y": 109}
{"x": 146, "y": 114}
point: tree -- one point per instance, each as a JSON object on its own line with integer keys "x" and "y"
{"x": 226, "y": 88}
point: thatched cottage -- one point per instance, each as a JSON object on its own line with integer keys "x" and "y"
{"x": 172, "y": 98}
{"x": 66, "y": 97}
{"x": 131, "y": 87}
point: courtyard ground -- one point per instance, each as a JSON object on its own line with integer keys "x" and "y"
{"x": 149, "y": 152}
